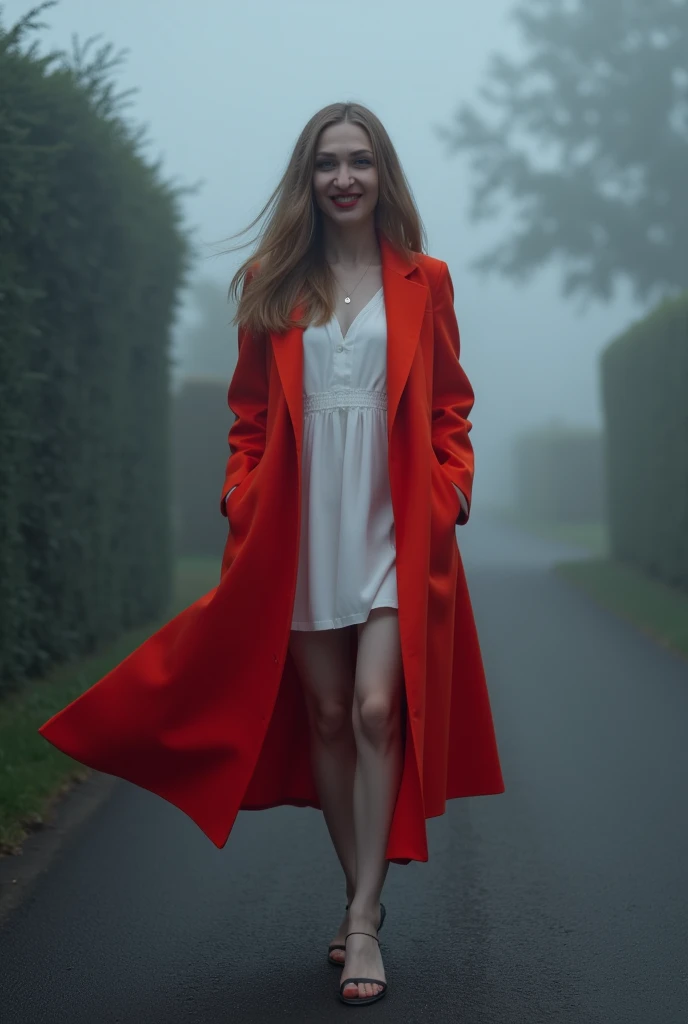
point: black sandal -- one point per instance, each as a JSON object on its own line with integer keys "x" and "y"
{"x": 338, "y": 945}
{"x": 362, "y": 1000}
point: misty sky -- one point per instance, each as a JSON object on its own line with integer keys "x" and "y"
{"x": 226, "y": 87}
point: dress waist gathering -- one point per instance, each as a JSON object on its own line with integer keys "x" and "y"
{"x": 344, "y": 398}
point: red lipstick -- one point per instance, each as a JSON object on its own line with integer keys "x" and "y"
{"x": 346, "y": 202}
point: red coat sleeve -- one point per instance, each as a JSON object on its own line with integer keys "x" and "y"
{"x": 247, "y": 398}
{"x": 452, "y": 395}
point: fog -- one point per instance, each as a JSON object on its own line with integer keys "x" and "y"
{"x": 149, "y": 638}
{"x": 225, "y": 89}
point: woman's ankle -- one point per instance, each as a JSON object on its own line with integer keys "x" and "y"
{"x": 364, "y": 908}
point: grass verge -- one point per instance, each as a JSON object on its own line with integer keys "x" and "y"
{"x": 590, "y": 537}
{"x": 659, "y": 611}
{"x": 33, "y": 773}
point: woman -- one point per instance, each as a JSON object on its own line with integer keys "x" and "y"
{"x": 337, "y": 664}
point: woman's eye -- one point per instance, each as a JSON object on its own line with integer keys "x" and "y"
{"x": 323, "y": 165}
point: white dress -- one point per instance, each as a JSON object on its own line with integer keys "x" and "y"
{"x": 347, "y": 552}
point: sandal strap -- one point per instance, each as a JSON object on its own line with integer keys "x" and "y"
{"x": 364, "y": 933}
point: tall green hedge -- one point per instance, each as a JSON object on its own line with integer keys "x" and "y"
{"x": 645, "y": 395}
{"x": 92, "y": 255}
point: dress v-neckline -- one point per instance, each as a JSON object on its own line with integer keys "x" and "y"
{"x": 358, "y": 315}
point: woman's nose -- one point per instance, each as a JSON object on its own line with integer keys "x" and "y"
{"x": 343, "y": 177}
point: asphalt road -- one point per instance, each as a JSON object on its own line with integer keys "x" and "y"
{"x": 563, "y": 900}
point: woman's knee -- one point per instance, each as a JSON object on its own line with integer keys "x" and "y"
{"x": 330, "y": 719}
{"x": 378, "y": 689}
{"x": 377, "y": 716}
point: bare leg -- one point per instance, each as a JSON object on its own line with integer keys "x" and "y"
{"x": 323, "y": 660}
{"x": 377, "y": 706}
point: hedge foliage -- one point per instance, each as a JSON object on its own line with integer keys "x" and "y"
{"x": 559, "y": 474}
{"x": 201, "y": 420}
{"x": 645, "y": 396}
{"x": 92, "y": 257}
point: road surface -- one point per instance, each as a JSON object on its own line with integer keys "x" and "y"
{"x": 563, "y": 900}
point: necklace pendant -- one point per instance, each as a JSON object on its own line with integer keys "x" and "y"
{"x": 347, "y": 299}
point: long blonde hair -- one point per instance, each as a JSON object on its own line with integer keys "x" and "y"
{"x": 288, "y": 265}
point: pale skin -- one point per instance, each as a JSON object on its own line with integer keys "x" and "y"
{"x": 354, "y": 711}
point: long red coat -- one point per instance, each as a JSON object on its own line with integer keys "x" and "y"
{"x": 209, "y": 712}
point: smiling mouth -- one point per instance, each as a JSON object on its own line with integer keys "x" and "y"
{"x": 348, "y": 200}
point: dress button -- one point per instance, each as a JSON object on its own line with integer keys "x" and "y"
{"x": 340, "y": 348}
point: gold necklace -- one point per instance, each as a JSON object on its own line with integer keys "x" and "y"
{"x": 347, "y": 298}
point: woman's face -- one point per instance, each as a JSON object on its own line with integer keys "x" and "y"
{"x": 344, "y": 166}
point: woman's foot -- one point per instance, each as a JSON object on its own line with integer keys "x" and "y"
{"x": 340, "y": 937}
{"x": 338, "y": 954}
{"x": 363, "y": 958}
